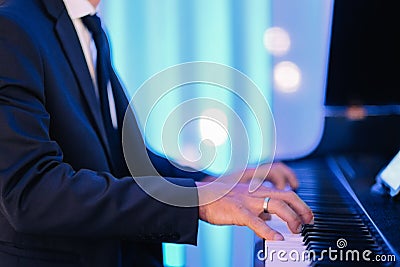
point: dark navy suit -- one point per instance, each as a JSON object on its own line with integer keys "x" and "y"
{"x": 62, "y": 203}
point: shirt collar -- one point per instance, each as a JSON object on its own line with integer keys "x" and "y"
{"x": 79, "y": 8}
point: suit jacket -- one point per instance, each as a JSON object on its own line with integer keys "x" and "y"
{"x": 62, "y": 203}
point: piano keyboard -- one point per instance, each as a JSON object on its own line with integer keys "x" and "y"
{"x": 342, "y": 234}
{"x": 292, "y": 242}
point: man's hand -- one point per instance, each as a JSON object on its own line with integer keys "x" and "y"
{"x": 240, "y": 207}
{"x": 277, "y": 173}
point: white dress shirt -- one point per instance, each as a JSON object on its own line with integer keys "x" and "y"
{"x": 76, "y": 10}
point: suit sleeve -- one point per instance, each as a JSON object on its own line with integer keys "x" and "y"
{"x": 167, "y": 169}
{"x": 41, "y": 194}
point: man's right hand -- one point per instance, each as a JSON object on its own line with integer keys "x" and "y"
{"x": 240, "y": 207}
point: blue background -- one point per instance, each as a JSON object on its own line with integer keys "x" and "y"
{"x": 148, "y": 36}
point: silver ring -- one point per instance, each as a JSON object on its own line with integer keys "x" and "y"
{"x": 265, "y": 204}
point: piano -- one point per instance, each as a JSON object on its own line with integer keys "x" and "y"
{"x": 354, "y": 226}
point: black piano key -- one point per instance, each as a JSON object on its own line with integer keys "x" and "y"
{"x": 335, "y": 231}
{"x": 336, "y": 216}
{"x": 352, "y": 240}
{"x": 337, "y": 235}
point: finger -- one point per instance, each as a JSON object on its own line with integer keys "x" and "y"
{"x": 296, "y": 204}
{"x": 280, "y": 208}
{"x": 286, "y": 213}
{"x": 289, "y": 174}
{"x": 265, "y": 216}
{"x": 279, "y": 174}
{"x": 290, "y": 197}
{"x": 277, "y": 177}
{"x": 259, "y": 226}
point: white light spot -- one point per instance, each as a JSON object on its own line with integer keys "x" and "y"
{"x": 190, "y": 155}
{"x": 287, "y": 77}
{"x": 213, "y": 126}
{"x": 277, "y": 41}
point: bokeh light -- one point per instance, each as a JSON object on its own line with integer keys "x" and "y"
{"x": 277, "y": 41}
{"x": 213, "y": 126}
{"x": 287, "y": 77}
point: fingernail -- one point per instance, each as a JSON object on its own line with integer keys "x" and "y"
{"x": 278, "y": 237}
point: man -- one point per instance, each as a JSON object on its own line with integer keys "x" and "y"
{"x": 66, "y": 195}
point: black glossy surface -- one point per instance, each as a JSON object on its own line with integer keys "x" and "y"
{"x": 360, "y": 172}
{"x": 364, "y": 53}
{"x": 371, "y": 135}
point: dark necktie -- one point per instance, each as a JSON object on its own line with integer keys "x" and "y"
{"x": 104, "y": 70}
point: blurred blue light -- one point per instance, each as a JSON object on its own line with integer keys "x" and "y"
{"x": 148, "y": 36}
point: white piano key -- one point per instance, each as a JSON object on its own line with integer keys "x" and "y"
{"x": 289, "y": 252}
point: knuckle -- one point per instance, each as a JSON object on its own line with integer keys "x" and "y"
{"x": 240, "y": 207}
{"x": 308, "y": 214}
{"x": 280, "y": 204}
{"x": 292, "y": 197}
{"x": 297, "y": 221}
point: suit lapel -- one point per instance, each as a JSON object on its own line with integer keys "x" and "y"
{"x": 71, "y": 45}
